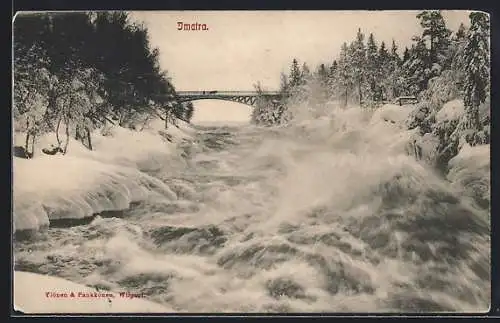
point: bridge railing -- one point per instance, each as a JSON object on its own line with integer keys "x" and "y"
{"x": 224, "y": 93}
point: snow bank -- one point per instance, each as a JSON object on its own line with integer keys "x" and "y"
{"x": 83, "y": 182}
{"x": 30, "y": 297}
{"x": 128, "y": 147}
{"x": 451, "y": 111}
{"x": 67, "y": 187}
{"x": 469, "y": 171}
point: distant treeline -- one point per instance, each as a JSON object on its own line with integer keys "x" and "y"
{"x": 83, "y": 70}
{"x": 439, "y": 66}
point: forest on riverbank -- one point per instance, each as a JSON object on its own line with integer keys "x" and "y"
{"x": 441, "y": 66}
{"x": 76, "y": 72}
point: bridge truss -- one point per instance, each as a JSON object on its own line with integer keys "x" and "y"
{"x": 244, "y": 97}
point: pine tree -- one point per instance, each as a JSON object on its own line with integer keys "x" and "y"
{"x": 384, "y": 72}
{"x": 383, "y": 55}
{"x": 358, "y": 59}
{"x": 461, "y": 32}
{"x": 305, "y": 73}
{"x": 295, "y": 74}
{"x": 394, "y": 53}
{"x": 455, "y": 54}
{"x": 345, "y": 72}
{"x": 436, "y": 32}
{"x": 333, "y": 79}
{"x": 417, "y": 68}
{"x": 476, "y": 62}
{"x": 372, "y": 68}
{"x": 333, "y": 68}
{"x": 322, "y": 74}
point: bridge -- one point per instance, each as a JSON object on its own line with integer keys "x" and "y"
{"x": 245, "y": 97}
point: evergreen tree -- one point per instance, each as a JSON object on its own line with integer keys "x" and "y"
{"x": 295, "y": 74}
{"x": 384, "y": 72}
{"x": 417, "y": 69}
{"x": 322, "y": 74}
{"x": 305, "y": 73}
{"x": 394, "y": 53}
{"x": 333, "y": 68}
{"x": 333, "y": 79}
{"x": 372, "y": 68}
{"x": 461, "y": 32}
{"x": 345, "y": 72}
{"x": 436, "y": 32}
{"x": 476, "y": 62}
{"x": 383, "y": 54}
{"x": 358, "y": 60}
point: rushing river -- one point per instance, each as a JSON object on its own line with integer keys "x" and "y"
{"x": 291, "y": 219}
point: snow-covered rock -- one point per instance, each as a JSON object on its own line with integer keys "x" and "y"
{"x": 469, "y": 172}
{"x": 67, "y": 187}
{"x": 426, "y": 148}
{"x": 391, "y": 113}
{"x": 418, "y": 116}
{"x": 32, "y": 295}
{"x": 451, "y": 111}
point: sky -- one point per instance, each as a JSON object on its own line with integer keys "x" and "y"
{"x": 241, "y": 48}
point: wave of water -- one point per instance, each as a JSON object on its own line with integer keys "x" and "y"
{"x": 328, "y": 216}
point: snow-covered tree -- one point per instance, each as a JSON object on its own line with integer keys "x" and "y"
{"x": 358, "y": 60}
{"x": 417, "y": 69}
{"x": 345, "y": 72}
{"x": 305, "y": 73}
{"x": 373, "y": 63}
{"x": 436, "y": 33}
{"x": 333, "y": 79}
{"x": 461, "y": 32}
{"x": 322, "y": 74}
{"x": 295, "y": 74}
{"x": 394, "y": 53}
{"x": 476, "y": 63}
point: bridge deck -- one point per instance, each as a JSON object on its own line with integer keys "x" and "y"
{"x": 224, "y": 93}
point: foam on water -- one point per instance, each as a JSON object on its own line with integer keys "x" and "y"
{"x": 323, "y": 215}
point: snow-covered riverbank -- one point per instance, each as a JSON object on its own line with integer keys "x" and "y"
{"x": 83, "y": 182}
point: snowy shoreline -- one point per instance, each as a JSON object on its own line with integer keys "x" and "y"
{"x": 83, "y": 183}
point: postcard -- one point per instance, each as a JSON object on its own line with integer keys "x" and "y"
{"x": 251, "y": 162}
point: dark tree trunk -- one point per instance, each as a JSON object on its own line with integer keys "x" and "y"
{"x": 359, "y": 93}
{"x": 57, "y": 132}
{"x": 346, "y": 96}
{"x": 26, "y": 143}
{"x": 89, "y": 140}
{"x": 77, "y": 133}
{"x": 33, "y": 137}
{"x": 67, "y": 136}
